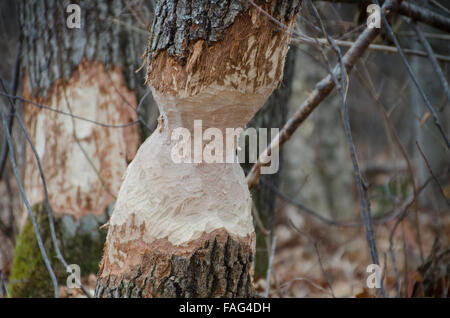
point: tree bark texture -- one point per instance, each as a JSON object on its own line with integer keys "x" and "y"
{"x": 217, "y": 266}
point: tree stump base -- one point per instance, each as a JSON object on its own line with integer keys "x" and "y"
{"x": 216, "y": 265}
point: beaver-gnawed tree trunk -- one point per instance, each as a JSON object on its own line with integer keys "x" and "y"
{"x": 89, "y": 72}
{"x": 185, "y": 229}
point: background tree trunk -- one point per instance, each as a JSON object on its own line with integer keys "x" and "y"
{"x": 272, "y": 115}
{"x": 425, "y": 132}
{"x": 185, "y": 230}
{"x": 88, "y": 72}
{"x": 11, "y": 200}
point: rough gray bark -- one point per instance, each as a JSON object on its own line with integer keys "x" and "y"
{"x": 52, "y": 51}
{"x": 178, "y": 23}
{"x": 219, "y": 268}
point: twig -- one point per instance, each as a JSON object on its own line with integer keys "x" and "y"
{"x": 424, "y": 15}
{"x": 375, "y": 47}
{"x": 440, "y": 6}
{"x": 428, "y": 35}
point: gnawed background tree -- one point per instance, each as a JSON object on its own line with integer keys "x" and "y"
{"x": 185, "y": 229}
{"x": 87, "y": 73}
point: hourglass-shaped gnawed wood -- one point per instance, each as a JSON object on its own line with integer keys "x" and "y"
{"x": 186, "y": 229}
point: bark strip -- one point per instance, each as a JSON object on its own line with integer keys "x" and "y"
{"x": 215, "y": 266}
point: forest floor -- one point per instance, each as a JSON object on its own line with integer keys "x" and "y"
{"x": 344, "y": 257}
{"x": 318, "y": 260}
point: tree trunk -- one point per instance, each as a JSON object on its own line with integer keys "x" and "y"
{"x": 426, "y": 134}
{"x": 88, "y": 72}
{"x": 272, "y": 115}
{"x": 185, "y": 229}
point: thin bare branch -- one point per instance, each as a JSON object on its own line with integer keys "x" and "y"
{"x": 440, "y": 6}
{"x": 424, "y": 15}
{"x": 374, "y": 47}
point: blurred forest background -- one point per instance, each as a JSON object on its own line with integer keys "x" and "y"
{"x": 311, "y": 240}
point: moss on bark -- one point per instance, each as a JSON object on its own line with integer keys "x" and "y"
{"x": 80, "y": 242}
